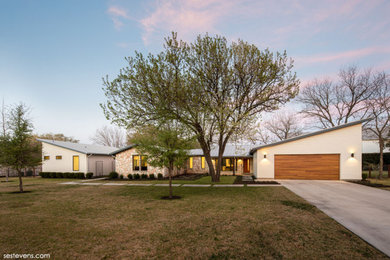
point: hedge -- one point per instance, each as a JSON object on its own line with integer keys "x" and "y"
{"x": 68, "y": 175}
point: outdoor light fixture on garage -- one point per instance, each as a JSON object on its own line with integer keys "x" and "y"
{"x": 352, "y": 155}
{"x": 265, "y": 156}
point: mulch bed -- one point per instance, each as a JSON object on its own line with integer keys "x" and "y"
{"x": 368, "y": 183}
{"x": 168, "y": 198}
{"x": 188, "y": 177}
{"x": 239, "y": 180}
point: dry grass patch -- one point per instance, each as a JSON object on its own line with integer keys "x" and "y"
{"x": 104, "y": 222}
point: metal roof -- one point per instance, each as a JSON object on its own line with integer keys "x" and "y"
{"x": 309, "y": 135}
{"x": 123, "y": 149}
{"x": 231, "y": 150}
{"x": 81, "y": 148}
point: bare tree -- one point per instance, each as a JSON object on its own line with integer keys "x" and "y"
{"x": 57, "y": 137}
{"x": 336, "y": 103}
{"x": 110, "y": 136}
{"x": 283, "y": 126}
{"x": 379, "y": 112}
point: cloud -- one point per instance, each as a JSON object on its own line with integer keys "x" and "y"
{"x": 188, "y": 18}
{"x": 117, "y": 14}
{"x": 344, "y": 56}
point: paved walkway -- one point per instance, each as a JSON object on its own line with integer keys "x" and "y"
{"x": 363, "y": 210}
{"x": 165, "y": 184}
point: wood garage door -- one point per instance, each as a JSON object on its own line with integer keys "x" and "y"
{"x": 307, "y": 166}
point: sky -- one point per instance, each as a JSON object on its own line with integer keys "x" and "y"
{"x": 54, "y": 54}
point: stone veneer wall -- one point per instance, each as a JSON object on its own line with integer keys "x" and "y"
{"x": 124, "y": 165}
{"x": 197, "y": 167}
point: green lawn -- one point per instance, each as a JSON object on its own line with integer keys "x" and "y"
{"x": 202, "y": 180}
{"x": 123, "y": 222}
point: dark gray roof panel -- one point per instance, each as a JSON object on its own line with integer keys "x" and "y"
{"x": 122, "y": 149}
{"x": 81, "y": 148}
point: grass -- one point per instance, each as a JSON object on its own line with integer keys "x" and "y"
{"x": 202, "y": 180}
{"x": 117, "y": 222}
{"x": 384, "y": 181}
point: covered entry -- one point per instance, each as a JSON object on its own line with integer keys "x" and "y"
{"x": 307, "y": 166}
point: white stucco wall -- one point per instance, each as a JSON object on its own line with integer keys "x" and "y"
{"x": 342, "y": 141}
{"x": 64, "y": 165}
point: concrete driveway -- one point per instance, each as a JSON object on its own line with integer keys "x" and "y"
{"x": 363, "y": 210}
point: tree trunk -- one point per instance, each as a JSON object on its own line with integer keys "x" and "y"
{"x": 234, "y": 166}
{"x": 7, "y": 174}
{"x": 20, "y": 181}
{"x": 381, "y": 145}
{"x": 388, "y": 170}
{"x": 369, "y": 172}
{"x": 207, "y": 156}
{"x": 170, "y": 179}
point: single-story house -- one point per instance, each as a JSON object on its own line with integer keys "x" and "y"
{"x": 330, "y": 154}
{"x": 58, "y": 156}
{"x": 129, "y": 161}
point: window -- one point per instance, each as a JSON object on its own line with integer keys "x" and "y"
{"x": 227, "y": 164}
{"x": 191, "y": 162}
{"x": 46, "y": 157}
{"x": 144, "y": 163}
{"x": 59, "y": 157}
{"x": 136, "y": 163}
{"x": 76, "y": 163}
{"x": 203, "y": 162}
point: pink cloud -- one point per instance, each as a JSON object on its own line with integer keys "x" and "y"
{"x": 345, "y": 56}
{"x": 188, "y": 18}
{"x": 116, "y": 14}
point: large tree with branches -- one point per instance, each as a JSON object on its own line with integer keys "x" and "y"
{"x": 334, "y": 103}
{"x": 214, "y": 88}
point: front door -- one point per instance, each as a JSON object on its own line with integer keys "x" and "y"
{"x": 246, "y": 166}
{"x": 99, "y": 168}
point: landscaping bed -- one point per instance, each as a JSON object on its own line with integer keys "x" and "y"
{"x": 239, "y": 180}
{"x": 369, "y": 183}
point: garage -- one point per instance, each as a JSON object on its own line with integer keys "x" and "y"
{"x": 328, "y": 154}
{"x": 307, "y": 166}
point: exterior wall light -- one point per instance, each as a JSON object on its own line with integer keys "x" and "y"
{"x": 265, "y": 156}
{"x": 352, "y": 155}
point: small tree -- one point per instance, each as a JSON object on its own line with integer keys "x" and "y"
{"x": 164, "y": 146}
{"x": 18, "y": 147}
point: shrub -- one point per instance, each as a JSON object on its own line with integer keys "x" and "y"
{"x": 136, "y": 176}
{"x": 144, "y": 176}
{"x": 59, "y": 175}
{"x": 121, "y": 176}
{"x": 89, "y": 175}
{"x": 152, "y": 176}
{"x": 130, "y": 176}
{"x": 364, "y": 176}
{"x": 29, "y": 173}
{"x": 46, "y": 175}
{"x": 160, "y": 176}
{"x": 80, "y": 175}
{"x": 41, "y": 174}
{"x": 69, "y": 175}
{"x": 53, "y": 175}
{"x": 113, "y": 175}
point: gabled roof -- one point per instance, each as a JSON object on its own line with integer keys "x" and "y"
{"x": 122, "y": 149}
{"x": 81, "y": 148}
{"x": 231, "y": 150}
{"x": 309, "y": 135}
